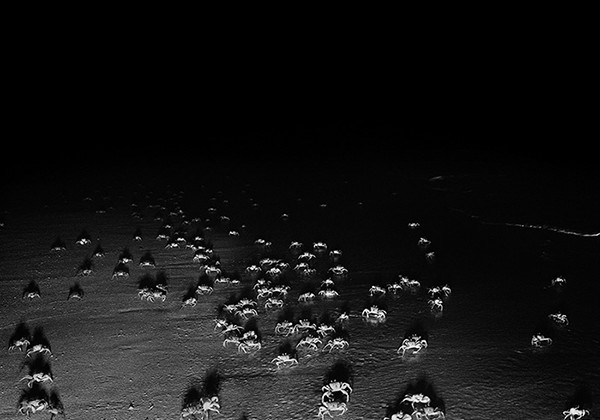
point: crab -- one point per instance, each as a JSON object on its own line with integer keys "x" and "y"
{"x": 281, "y": 291}
{"x": 394, "y": 288}
{"x": 332, "y": 408}
{"x": 430, "y": 257}
{"x": 342, "y": 318}
{"x": 120, "y": 272}
{"x": 429, "y": 413}
{"x": 328, "y": 293}
{"x": 296, "y": 246}
{"x": 303, "y": 325}
{"x": 436, "y": 304}
{"x": 267, "y": 263}
{"x": 423, "y": 243}
{"x": 337, "y": 343}
{"x": 263, "y": 292}
{"x": 273, "y": 303}
{"x": 29, "y": 407}
{"x": 231, "y": 340}
{"x": 246, "y": 312}
{"x": 319, "y": 247}
{"x": 249, "y": 342}
{"x": 539, "y": 340}
{"x": 253, "y": 270}
{"x": 31, "y": 295}
{"x": 39, "y": 348}
{"x": 376, "y": 290}
{"x": 203, "y": 408}
{"x": 559, "y": 319}
{"x": 416, "y": 399}
{"x": 324, "y": 330}
{"x": 83, "y": 241}
{"x": 558, "y": 281}
{"x": 335, "y": 255}
{"x": 414, "y": 342}
{"x": 336, "y": 386}
{"x": 212, "y": 272}
{"x": 284, "y": 328}
{"x": 21, "y": 344}
{"x": 284, "y": 360}
{"x": 37, "y": 377}
{"x": 414, "y": 225}
{"x": 229, "y": 330}
{"x": 306, "y": 257}
{"x": 204, "y": 289}
{"x": 306, "y": 297}
{"x": 575, "y": 413}
{"x": 191, "y": 301}
{"x": 309, "y": 343}
{"x": 408, "y": 285}
{"x": 273, "y": 273}
{"x": 374, "y": 314}
{"x": 304, "y": 270}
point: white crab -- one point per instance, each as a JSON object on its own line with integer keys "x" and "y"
{"x": 281, "y": 291}
{"x": 306, "y": 257}
{"x": 335, "y": 255}
{"x": 309, "y": 343}
{"x": 436, "y": 305}
{"x": 429, "y": 413}
{"x": 332, "y": 408}
{"x": 31, "y": 295}
{"x": 285, "y": 361}
{"x": 306, "y": 297}
{"x": 246, "y": 313}
{"x": 36, "y": 377}
{"x": 304, "y": 270}
{"x": 203, "y": 408}
{"x": 191, "y": 301}
{"x": 324, "y": 330}
{"x": 21, "y": 344}
{"x": 374, "y": 314}
{"x": 376, "y": 290}
{"x": 263, "y": 292}
{"x": 296, "y": 246}
{"x": 212, "y": 272}
{"x": 337, "y": 343}
{"x": 319, "y": 247}
{"x": 575, "y": 413}
{"x": 342, "y": 318}
{"x": 303, "y": 325}
{"x": 394, "y": 288}
{"x": 558, "y": 281}
{"x": 39, "y": 348}
{"x": 273, "y": 273}
{"x": 336, "y": 386}
{"x": 414, "y": 225}
{"x": 204, "y": 289}
{"x": 267, "y": 263}
{"x": 423, "y": 243}
{"x": 83, "y": 241}
{"x": 539, "y": 340}
{"x": 559, "y": 319}
{"x": 414, "y": 342}
{"x": 328, "y": 293}
{"x": 249, "y": 343}
{"x": 284, "y": 328}
{"x": 409, "y": 285}
{"x": 273, "y": 304}
{"x": 416, "y": 399}
{"x": 29, "y": 407}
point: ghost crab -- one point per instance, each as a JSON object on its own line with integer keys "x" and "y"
{"x": 37, "y": 378}
{"x": 559, "y": 319}
{"x": 400, "y": 415}
{"x": 337, "y": 343}
{"x": 285, "y": 361}
{"x": 374, "y": 314}
{"x": 436, "y": 305}
{"x": 21, "y": 344}
{"x": 39, "y": 348}
{"x": 333, "y": 387}
{"x": 249, "y": 342}
{"x": 575, "y": 413}
{"x": 414, "y": 342}
{"x": 284, "y": 328}
{"x": 413, "y": 399}
{"x": 539, "y": 340}
{"x": 429, "y": 413}
{"x": 29, "y": 407}
{"x": 273, "y": 304}
{"x": 204, "y": 407}
{"x": 309, "y": 343}
{"x": 332, "y": 408}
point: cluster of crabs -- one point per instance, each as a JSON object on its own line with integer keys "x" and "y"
{"x": 542, "y": 339}
{"x": 416, "y": 407}
{"x": 38, "y": 396}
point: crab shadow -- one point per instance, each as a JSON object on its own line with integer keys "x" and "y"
{"x": 208, "y": 387}
{"x": 422, "y": 385}
{"x": 40, "y": 393}
{"x": 21, "y": 332}
{"x": 37, "y": 364}
{"x": 582, "y": 397}
{"x": 340, "y": 371}
{"x": 39, "y": 338}
{"x": 75, "y": 290}
{"x": 417, "y": 327}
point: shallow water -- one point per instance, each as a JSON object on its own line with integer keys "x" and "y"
{"x": 112, "y": 349}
